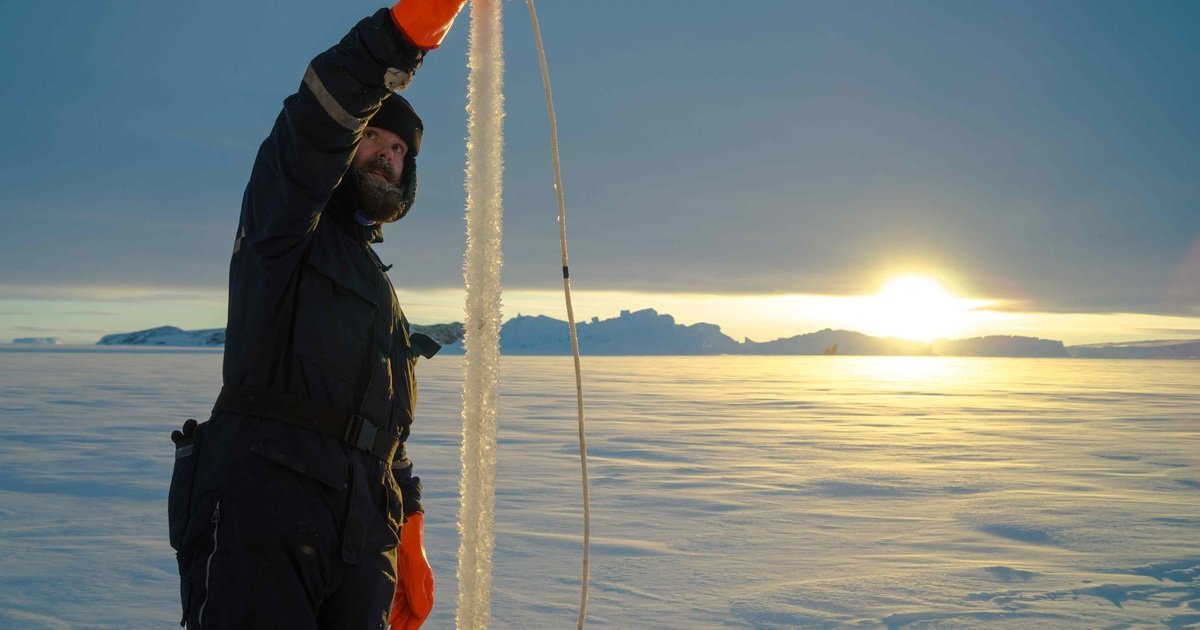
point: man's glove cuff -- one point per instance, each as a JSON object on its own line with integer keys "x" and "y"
{"x": 426, "y": 22}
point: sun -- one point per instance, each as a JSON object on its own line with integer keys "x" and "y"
{"x": 917, "y": 307}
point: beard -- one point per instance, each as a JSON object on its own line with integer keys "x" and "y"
{"x": 381, "y": 200}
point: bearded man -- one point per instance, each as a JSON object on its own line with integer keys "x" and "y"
{"x": 295, "y": 505}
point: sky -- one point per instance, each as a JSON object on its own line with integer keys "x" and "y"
{"x": 764, "y": 166}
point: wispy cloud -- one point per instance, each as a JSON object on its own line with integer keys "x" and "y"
{"x": 112, "y": 293}
{"x": 59, "y": 331}
{"x": 1171, "y": 331}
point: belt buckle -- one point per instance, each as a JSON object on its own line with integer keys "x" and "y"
{"x": 361, "y": 432}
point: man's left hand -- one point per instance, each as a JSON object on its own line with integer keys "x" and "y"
{"x": 413, "y": 600}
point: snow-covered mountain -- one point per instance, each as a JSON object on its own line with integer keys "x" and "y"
{"x": 830, "y": 341}
{"x": 1161, "y": 349}
{"x": 999, "y": 346}
{"x": 644, "y": 332}
{"x": 445, "y": 334}
{"x": 648, "y": 332}
{"x": 166, "y": 336}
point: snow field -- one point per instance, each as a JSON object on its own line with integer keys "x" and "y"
{"x": 728, "y": 492}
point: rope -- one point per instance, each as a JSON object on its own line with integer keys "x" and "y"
{"x": 562, "y": 239}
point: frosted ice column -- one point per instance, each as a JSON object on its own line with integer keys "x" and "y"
{"x": 481, "y": 271}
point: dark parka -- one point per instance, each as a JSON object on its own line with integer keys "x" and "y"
{"x": 312, "y": 314}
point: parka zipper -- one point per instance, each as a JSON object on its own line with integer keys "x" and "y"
{"x": 216, "y": 521}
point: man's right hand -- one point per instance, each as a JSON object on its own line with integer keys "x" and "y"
{"x": 426, "y": 22}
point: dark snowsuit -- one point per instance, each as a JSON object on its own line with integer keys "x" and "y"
{"x": 277, "y": 525}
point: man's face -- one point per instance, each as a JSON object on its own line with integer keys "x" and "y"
{"x": 379, "y": 162}
{"x": 381, "y": 152}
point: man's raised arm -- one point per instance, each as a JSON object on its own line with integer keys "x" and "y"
{"x": 314, "y": 138}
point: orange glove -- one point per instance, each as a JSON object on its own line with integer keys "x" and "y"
{"x": 426, "y": 22}
{"x": 414, "y": 578}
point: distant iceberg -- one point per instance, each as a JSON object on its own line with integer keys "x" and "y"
{"x": 36, "y": 341}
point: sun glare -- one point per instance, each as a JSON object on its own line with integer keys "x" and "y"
{"x": 917, "y": 307}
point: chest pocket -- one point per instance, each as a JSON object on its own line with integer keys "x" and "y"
{"x": 335, "y": 319}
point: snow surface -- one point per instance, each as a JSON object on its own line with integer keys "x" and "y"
{"x": 728, "y": 492}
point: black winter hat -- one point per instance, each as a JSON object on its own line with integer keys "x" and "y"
{"x": 397, "y": 115}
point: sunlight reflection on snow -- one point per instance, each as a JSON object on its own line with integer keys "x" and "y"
{"x": 764, "y": 492}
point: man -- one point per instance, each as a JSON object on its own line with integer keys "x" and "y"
{"x": 286, "y": 507}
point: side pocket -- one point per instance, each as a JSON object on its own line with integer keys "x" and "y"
{"x": 216, "y": 527}
{"x": 196, "y": 568}
{"x": 179, "y": 497}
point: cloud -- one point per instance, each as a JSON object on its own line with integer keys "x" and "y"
{"x": 1171, "y": 331}
{"x": 110, "y": 293}
{"x": 834, "y": 163}
{"x": 44, "y": 329}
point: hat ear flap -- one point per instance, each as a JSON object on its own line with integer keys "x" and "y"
{"x": 408, "y": 185}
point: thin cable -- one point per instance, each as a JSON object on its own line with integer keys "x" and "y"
{"x": 562, "y": 239}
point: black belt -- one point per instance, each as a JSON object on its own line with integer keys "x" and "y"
{"x": 352, "y": 429}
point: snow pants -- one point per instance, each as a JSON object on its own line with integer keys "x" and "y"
{"x": 262, "y": 545}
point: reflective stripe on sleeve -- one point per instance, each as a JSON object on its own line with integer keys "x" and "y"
{"x": 332, "y": 107}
